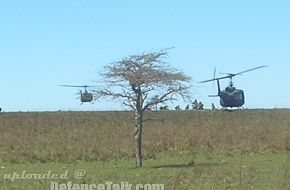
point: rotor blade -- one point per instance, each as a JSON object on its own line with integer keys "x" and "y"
{"x": 227, "y": 73}
{"x": 72, "y": 86}
{"x": 251, "y": 69}
{"x": 77, "y": 86}
{"x": 231, "y": 75}
{"x": 215, "y": 79}
{"x": 234, "y": 74}
{"x": 214, "y": 71}
{"x": 213, "y": 95}
{"x": 207, "y": 80}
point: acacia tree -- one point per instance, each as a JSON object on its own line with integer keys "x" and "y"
{"x": 140, "y": 82}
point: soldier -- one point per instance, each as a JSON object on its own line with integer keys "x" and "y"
{"x": 148, "y": 109}
{"x": 177, "y": 107}
{"x": 164, "y": 108}
{"x": 212, "y": 106}
{"x": 195, "y": 105}
{"x": 200, "y": 106}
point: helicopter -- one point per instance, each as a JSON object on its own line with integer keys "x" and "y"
{"x": 85, "y": 96}
{"x": 230, "y": 96}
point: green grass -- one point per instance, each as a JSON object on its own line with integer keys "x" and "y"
{"x": 175, "y": 171}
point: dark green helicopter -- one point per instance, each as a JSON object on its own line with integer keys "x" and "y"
{"x": 230, "y": 96}
{"x": 85, "y": 96}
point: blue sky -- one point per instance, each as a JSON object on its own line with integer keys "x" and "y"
{"x": 47, "y": 43}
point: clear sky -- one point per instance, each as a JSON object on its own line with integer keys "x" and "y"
{"x": 47, "y": 43}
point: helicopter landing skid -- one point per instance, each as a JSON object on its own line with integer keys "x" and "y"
{"x": 86, "y": 102}
{"x": 232, "y": 109}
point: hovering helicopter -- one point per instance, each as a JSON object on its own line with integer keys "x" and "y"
{"x": 85, "y": 96}
{"x": 230, "y": 96}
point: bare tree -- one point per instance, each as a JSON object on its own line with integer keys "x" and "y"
{"x": 141, "y": 82}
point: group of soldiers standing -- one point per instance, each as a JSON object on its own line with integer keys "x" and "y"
{"x": 196, "y": 105}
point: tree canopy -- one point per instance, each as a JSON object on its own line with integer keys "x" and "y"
{"x": 147, "y": 75}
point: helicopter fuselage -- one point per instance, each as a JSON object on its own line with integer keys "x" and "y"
{"x": 231, "y": 97}
{"x": 86, "y": 96}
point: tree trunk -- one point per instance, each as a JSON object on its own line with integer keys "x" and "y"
{"x": 138, "y": 138}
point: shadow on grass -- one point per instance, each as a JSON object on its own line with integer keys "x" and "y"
{"x": 188, "y": 165}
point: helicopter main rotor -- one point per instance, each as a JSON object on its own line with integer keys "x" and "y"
{"x": 231, "y": 75}
{"x": 77, "y": 86}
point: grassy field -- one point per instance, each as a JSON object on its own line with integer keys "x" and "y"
{"x": 245, "y": 149}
